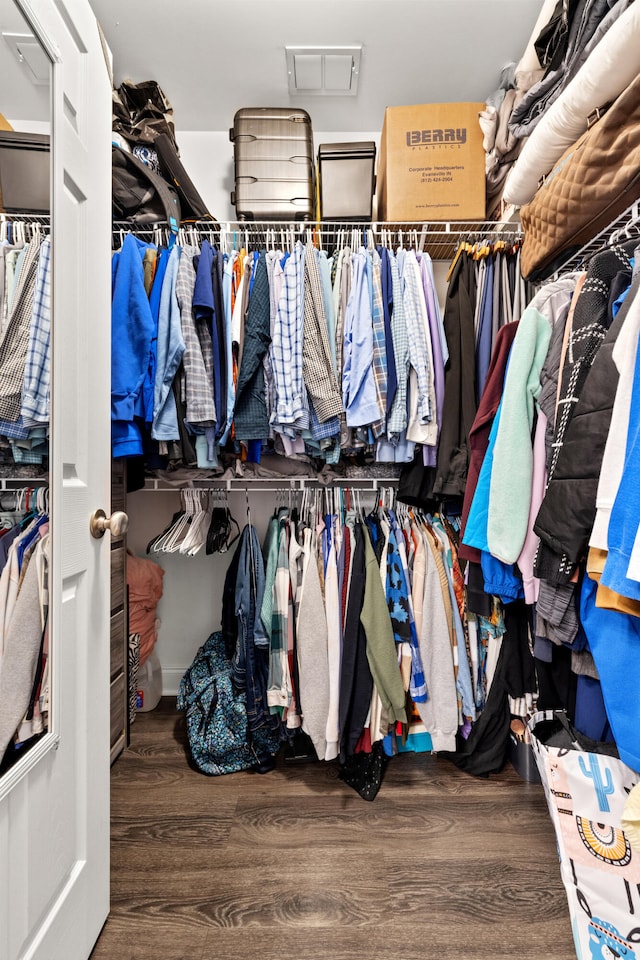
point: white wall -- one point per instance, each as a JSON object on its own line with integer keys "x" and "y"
{"x": 190, "y": 608}
{"x": 30, "y": 126}
{"x": 191, "y": 604}
{"x": 208, "y": 159}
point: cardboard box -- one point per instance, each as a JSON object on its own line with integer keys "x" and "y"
{"x": 432, "y": 164}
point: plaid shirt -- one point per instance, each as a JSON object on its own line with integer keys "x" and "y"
{"x": 397, "y": 420}
{"x": 197, "y": 359}
{"x": 415, "y": 312}
{"x": 14, "y": 430}
{"x": 319, "y": 378}
{"x": 37, "y": 374}
{"x": 15, "y": 340}
{"x": 341, "y": 291}
{"x": 326, "y": 429}
{"x": 379, "y": 342}
{"x": 291, "y": 404}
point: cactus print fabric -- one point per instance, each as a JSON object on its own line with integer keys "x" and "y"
{"x": 586, "y": 793}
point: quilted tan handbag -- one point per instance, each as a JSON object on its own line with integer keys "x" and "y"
{"x": 594, "y": 181}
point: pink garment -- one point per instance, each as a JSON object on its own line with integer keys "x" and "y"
{"x": 144, "y": 580}
{"x": 538, "y": 484}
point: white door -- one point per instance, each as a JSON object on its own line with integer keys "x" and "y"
{"x": 54, "y": 805}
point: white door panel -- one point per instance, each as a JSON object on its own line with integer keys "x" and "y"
{"x": 54, "y": 806}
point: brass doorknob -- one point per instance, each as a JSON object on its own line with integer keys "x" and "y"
{"x": 117, "y": 523}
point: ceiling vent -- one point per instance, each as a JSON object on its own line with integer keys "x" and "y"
{"x": 323, "y": 71}
{"x": 29, "y": 53}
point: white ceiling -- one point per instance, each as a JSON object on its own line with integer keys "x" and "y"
{"x": 20, "y": 99}
{"x": 213, "y": 56}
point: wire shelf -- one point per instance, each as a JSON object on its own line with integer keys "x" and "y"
{"x": 618, "y": 230}
{"x": 267, "y": 484}
{"x": 439, "y": 239}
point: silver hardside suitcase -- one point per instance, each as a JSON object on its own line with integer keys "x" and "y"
{"x": 273, "y": 164}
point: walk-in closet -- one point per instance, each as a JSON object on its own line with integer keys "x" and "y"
{"x": 319, "y": 552}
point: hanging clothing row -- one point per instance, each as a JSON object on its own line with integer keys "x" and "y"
{"x": 353, "y": 627}
{"x": 485, "y": 292}
{"x": 549, "y": 477}
{"x": 24, "y": 624}
{"x": 245, "y": 354}
{"x": 25, "y": 333}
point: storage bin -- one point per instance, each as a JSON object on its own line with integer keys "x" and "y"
{"x": 522, "y": 759}
{"x": 24, "y": 172}
{"x": 149, "y": 683}
{"x": 347, "y": 180}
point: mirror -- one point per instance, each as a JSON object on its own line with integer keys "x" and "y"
{"x": 25, "y": 328}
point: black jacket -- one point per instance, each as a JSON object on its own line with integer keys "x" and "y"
{"x": 568, "y": 511}
{"x": 459, "y": 381}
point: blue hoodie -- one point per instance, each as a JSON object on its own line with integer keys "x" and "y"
{"x": 132, "y": 334}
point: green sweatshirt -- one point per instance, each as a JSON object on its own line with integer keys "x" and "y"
{"x": 381, "y": 648}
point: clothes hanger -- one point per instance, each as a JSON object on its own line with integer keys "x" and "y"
{"x": 218, "y": 537}
{"x": 155, "y": 540}
{"x": 172, "y": 540}
{"x": 11, "y": 515}
{"x": 196, "y": 535}
{"x": 21, "y": 233}
{"x": 156, "y": 543}
{"x": 248, "y": 505}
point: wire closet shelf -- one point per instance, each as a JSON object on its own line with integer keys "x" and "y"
{"x": 439, "y": 239}
{"x": 625, "y": 227}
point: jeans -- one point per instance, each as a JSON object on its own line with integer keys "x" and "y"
{"x": 250, "y": 663}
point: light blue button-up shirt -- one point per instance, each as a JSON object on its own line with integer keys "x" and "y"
{"x": 169, "y": 354}
{"x": 358, "y": 385}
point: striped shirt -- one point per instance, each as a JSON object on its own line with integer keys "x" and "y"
{"x": 319, "y": 376}
{"x": 415, "y": 311}
{"x": 37, "y": 374}
{"x": 379, "y": 343}
{"x": 13, "y": 348}
{"x": 291, "y": 405}
{"x": 397, "y": 420}
{"x": 197, "y": 359}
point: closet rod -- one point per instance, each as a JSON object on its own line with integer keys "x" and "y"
{"x": 18, "y": 483}
{"x": 44, "y": 219}
{"x": 438, "y": 238}
{"x": 30, "y": 221}
{"x": 265, "y": 485}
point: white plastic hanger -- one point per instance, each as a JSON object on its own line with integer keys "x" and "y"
{"x": 197, "y": 534}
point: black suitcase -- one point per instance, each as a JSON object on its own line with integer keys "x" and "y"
{"x": 24, "y": 172}
{"x": 273, "y": 164}
{"x": 347, "y": 180}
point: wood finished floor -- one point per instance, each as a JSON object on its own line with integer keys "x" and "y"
{"x": 294, "y": 865}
